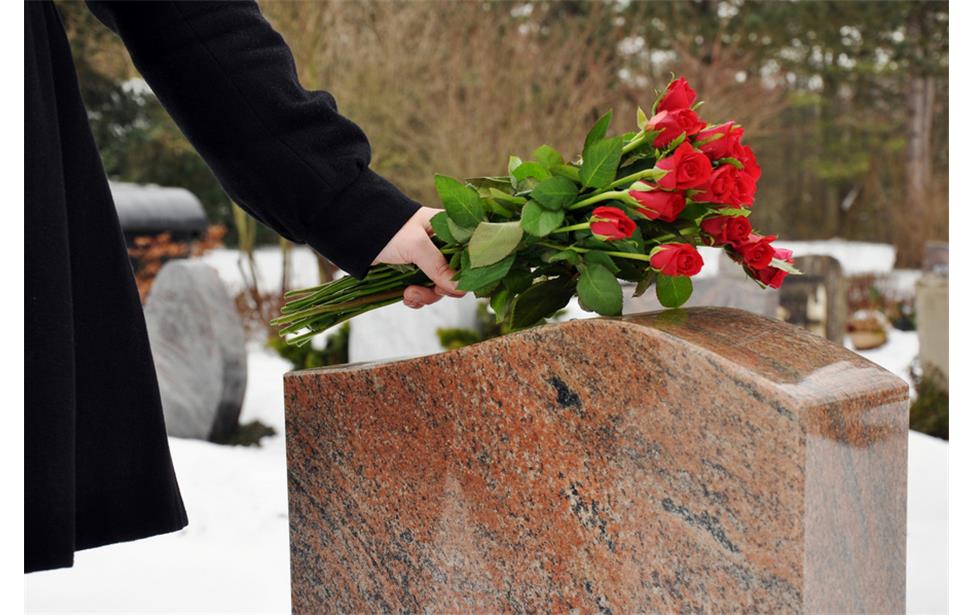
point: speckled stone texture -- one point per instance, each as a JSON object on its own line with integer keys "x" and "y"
{"x": 706, "y": 460}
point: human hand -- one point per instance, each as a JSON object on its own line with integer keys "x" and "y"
{"x": 413, "y": 245}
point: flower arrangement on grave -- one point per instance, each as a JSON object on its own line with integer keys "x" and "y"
{"x": 633, "y": 207}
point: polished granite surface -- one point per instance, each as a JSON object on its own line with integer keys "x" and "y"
{"x": 701, "y": 460}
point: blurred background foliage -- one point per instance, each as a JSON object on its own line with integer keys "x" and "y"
{"x": 845, "y": 103}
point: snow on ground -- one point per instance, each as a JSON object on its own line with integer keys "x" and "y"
{"x": 856, "y": 257}
{"x": 233, "y": 556}
{"x": 304, "y": 268}
{"x": 896, "y": 355}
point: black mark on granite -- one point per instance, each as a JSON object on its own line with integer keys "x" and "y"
{"x": 566, "y": 398}
{"x": 705, "y": 521}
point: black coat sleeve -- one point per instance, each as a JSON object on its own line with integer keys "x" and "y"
{"x": 281, "y": 152}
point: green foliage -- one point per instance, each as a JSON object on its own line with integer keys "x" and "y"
{"x": 600, "y": 162}
{"x": 672, "y": 291}
{"x": 335, "y": 351}
{"x": 539, "y": 221}
{"x": 494, "y": 241}
{"x": 247, "y": 434}
{"x": 929, "y": 412}
{"x": 599, "y": 290}
{"x": 462, "y": 203}
{"x": 555, "y": 193}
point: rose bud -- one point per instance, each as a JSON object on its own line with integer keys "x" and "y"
{"x": 676, "y": 259}
{"x": 756, "y": 251}
{"x": 726, "y": 229}
{"x": 729, "y": 186}
{"x": 677, "y": 96}
{"x": 686, "y": 168}
{"x": 722, "y": 147}
{"x": 611, "y": 223}
{"x": 658, "y": 204}
{"x": 745, "y": 155}
{"x": 674, "y": 123}
{"x": 772, "y": 276}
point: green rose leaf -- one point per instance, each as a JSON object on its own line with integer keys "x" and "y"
{"x": 474, "y": 278}
{"x": 601, "y": 162}
{"x": 512, "y": 163}
{"x": 530, "y": 169}
{"x": 600, "y": 258}
{"x": 599, "y": 130}
{"x": 673, "y": 290}
{"x": 460, "y": 233}
{"x": 518, "y": 280}
{"x": 547, "y": 156}
{"x": 555, "y": 193}
{"x": 647, "y": 280}
{"x": 569, "y": 256}
{"x": 493, "y": 241}
{"x": 538, "y": 221}
{"x": 440, "y": 226}
{"x": 503, "y": 197}
{"x": 500, "y": 303}
{"x": 541, "y": 301}
{"x": 599, "y": 291}
{"x": 569, "y": 171}
{"x": 462, "y": 203}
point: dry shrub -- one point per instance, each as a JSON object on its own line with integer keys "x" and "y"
{"x": 455, "y": 87}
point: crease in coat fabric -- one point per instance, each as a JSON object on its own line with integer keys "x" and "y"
{"x": 97, "y": 463}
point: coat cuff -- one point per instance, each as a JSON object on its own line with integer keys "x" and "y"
{"x": 359, "y": 222}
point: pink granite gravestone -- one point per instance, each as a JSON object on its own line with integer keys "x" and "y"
{"x": 705, "y": 460}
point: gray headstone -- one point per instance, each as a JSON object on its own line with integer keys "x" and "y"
{"x": 932, "y": 316}
{"x": 199, "y": 348}
{"x": 817, "y": 300}
{"x": 936, "y": 258}
{"x": 721, "y": 291}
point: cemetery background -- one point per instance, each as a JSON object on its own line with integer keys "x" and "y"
{"x": 852, "y": 128}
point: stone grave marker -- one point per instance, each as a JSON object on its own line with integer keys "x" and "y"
{"x": 700, "y": 460}
{"x": 199, "y": 349}
{"x": 932, "y": 308}
{"x": 817, "y": 300}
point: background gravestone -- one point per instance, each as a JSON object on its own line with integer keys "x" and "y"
{"x": 199, "y": 349}
{"x": 817, "y": 300}
{"x": 932, "y": 309}
{"x": 702, "y": 460}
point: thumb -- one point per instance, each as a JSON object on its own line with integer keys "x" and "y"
{"x": 431, "y": 261}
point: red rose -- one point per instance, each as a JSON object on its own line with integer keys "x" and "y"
{"x": 728, "y": 186}
{"x": 726, "y": 229}
{"x": 756, "y": 251}
{"x": 611, "y": 223}
{"x": 686, "y": 168}
{"x": 674, "y": 123}
{"x": 658, "y": 204}
{"x": 745, "y": 155}
{"x": 724, "y": 146}
{"x": 772, "y": 276}
{"x": 677, "y": 96}
{"x": 676, "y": 259}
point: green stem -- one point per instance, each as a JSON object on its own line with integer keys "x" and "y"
{"x": 628, "y": 255}
{"x": 574, "y": 227}
{"x": 604, "y": 196}
{"x": 635, "y": 142}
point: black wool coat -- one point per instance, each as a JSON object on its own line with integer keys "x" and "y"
{"x": 97, "y": 467}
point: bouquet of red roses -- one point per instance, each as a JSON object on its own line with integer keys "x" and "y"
{"x": 633, "y": 207}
